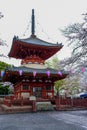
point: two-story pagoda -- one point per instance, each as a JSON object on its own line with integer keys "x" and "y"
{"x": 33, "y": 78}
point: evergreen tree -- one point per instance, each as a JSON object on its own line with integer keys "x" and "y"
{"x": 4, "y": 65}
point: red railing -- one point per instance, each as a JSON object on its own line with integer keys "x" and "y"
{"x": 57, "y": 102}
{"x": 72, "y": 102}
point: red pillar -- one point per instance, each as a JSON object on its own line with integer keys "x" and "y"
{"x": 52, "y": 91}
{"x": 57, "y": 100}
{"x": 44, "y": 92}
{"x": 34, "y": 106}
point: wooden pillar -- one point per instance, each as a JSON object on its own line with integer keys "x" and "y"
{"x": 21, "y": 87}
{"x": 31, "y": 90}
{"x": 14, "y": 90}
{"x": 44, "y": 92}
{"x": 34, "y": 106}
{"x": 57, "y": 100}
{"x": 21, "y": 101}
{"x": 52, "y": 90}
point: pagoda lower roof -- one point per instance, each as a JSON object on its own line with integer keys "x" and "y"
{"x": 39, "y": 71}
{"x": 13, "y": 74}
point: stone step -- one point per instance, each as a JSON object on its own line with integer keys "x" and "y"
{"x": 1, "y": 109}
{"x": 44, "y": 106}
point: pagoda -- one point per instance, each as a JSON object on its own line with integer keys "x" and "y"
{"x": 33, "y": 78}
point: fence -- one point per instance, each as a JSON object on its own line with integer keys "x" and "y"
{"x": 79, "y": 102}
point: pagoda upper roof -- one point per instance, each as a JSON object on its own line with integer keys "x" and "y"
{"x": 19, "y": 46}
{"x": 36, "y": 41}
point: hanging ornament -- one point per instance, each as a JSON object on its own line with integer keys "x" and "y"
{"x": 34, "y": 73}
{"x": 2, "y": 73}
{"x": 48, "y": 73}
{"x": 20, "y": 72}
{"x": 83, "y": 69}
{"x": 60, "y": 73}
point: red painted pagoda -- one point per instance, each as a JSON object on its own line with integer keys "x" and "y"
{"x": 32, "y": 78}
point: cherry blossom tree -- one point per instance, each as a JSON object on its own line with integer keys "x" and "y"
{"x": 2, "y": 42}
{"x": 76, "y": 35}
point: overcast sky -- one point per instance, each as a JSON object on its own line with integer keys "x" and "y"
{"x": 50, "y": 16}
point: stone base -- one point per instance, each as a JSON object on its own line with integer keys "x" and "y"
{"x": 16, "y": 109}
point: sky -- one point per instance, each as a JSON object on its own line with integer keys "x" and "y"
{"x": 50, "y": 17}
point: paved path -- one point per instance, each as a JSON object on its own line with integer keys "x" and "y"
{"x": 45, "y": 121}
{"x": 72, "y": 117}
{"x": 1, "y": 110}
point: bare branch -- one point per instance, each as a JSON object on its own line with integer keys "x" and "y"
{"x": 76, "y": 35}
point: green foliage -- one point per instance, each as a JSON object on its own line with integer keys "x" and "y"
{"x": 52, "y": 63}
{"x": 3, "y": 65}
{"x": 48, "y": 63}
{"x": 4, "y": 90}
{"x": 59, "y": 86}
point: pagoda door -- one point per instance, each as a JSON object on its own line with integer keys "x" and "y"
{"x": 37, "y": 91}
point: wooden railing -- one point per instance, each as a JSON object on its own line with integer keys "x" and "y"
{"x": 73, "y": 102}
{"x": 57, "y": 102}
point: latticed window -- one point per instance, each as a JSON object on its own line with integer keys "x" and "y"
{"x": 48, "y": 87}
{"x": 25, "y": 87}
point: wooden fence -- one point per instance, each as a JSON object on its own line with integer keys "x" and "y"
{"x": 79, "y": 102}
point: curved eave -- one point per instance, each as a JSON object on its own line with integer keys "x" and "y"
{"x": 14, "y": 72}
{"x": 36, "y": 41}
{"x": 17, "y": 43}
